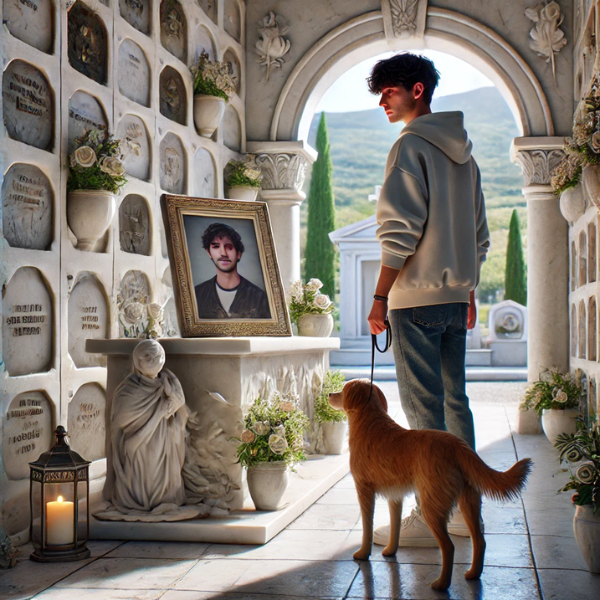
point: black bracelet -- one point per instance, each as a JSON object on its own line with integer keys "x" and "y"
{"x": 380, "y": 298}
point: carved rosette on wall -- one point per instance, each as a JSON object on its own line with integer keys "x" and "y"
{"x": 404, "y": 18}
{"x": 537, "y": 165}
{"x": 282, "y": 171}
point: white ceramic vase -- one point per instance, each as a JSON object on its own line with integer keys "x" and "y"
{"x": 267, "y": 483}
{"x": 208, "y": 112}
{"x": 315, "y": 325}
{"x": 572, "y": 203}
{"x": 586, "y": 527}
{"x": 242, "y": 192}
{"x": 334, "y": 436}
{"x": 556, "y": 421}
{"x": 590, "y": 180}
{"x": 89, "y": 214}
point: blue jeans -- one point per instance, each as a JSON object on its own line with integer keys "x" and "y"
{"x": 429, "y": 344}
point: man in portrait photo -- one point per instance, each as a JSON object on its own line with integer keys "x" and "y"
{"x": 228, "y": 295}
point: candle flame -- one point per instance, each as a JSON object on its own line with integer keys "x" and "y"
{"x": 60, "y": 498}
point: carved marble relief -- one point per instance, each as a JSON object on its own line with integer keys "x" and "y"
{"x": 27, "y": 323}
{"x": 137, "y": 13}
{"x": 134, "y": 225}
{"x": 203, "y": 42}
{"x": 87, "y": 319}
{"x": 85, "y": 112}
{"x": 87, "y": 421}
{"x": 272, "y": 46}
{"x": 172, "y": 95}
{"x": 27, "y": 207}
{"x": 171, "y": 325}
{"x": 28, "y": 432}
{"x": 232, "y": 129}
{"x": 210, "y": 8}
{"x": 204, "y": 174}
{"x": 232, "y": 20}
{"x": 404, "y": 18}
{"x": 134, "y": 293}
{"x": 581, "y": 326}
{"x": 28, "y": 105}
{"x": 137, "y": 165}
{"x": 282, "y": 171}
{"x": 172, "y": 164}
{"x": 573, "y": 330}
{"x": 591, "y": 252}
{"x": 31, "y": 21}
{"x": 592, "y": 318}
{"x": 87, "y": 43}
{"x": 582, "y": 258}
{"x": 134, "y": 73}
{"x": 234, "y": 65}
{"x": 173, "y": 28}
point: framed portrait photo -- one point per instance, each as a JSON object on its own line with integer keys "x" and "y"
{"x": 225, "y": 273}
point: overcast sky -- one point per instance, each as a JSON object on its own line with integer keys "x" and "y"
{"x": 349, "y": 93}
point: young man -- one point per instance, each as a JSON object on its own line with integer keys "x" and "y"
{"x": 434, "y": 238}
{"x": 228, "y": 295}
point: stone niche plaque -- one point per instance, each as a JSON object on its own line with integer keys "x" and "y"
{"x": 87, "y": 43}
{"x": 28, "y": 105}
{"x": 134, "y": 225}
{"x": 172, "y": 164}
{"x": 173, "y": 28}
{"x": 203, "y": 42}
{"x": 85, "y": 112}
{"x": 134, "y": 290}
{"x": 27, "y": 432}
{"x": 134, "y": 73}
{"x": 210, "y": 8}
{"x": 27, "y": 324}
{"x": 88, "y": 319}
{"x": 133, "y": 127}
{"x": 27, "y": 201}
{"x": 172, "y": 95}
{"x": 87, "y": 422}
{"x": 232, "y": 20}
{"x": 204, "y": 174}
{"x": 234, "y": 67}
{"x": 136, "y": 13}
{"x": 31, "y": 21}
{"x": 232, "y": 130}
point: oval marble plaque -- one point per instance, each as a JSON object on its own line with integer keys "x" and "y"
{"x": 85, "y": 112}
{"x": 31, "y": 21}
{"x": 135, "y": 287}
{"x": 27, "y": 432}
{"x": 87, "y": 422}
{"x": 28, "y": 105}
{"x": 203, "y": 42}
{"x": 172, "y": 164}
{"x": 27, "y": 324}
{"x": 172, "y": 95}
{"x": 234, "y": 67}
{"x": 87, "y": 42}
{"x": 232, "y": 129}
{"x": 204, "y": 174}
{"x": 134, "y": 225}
{"x": 232, "y": 19}
{"x": 173, "y": 28}
{"x": 136, "y": 13}
{"x": 137, "y": 165}
{"x": 88, "y": 319}
{"x": 27, "y": 201}
{"x": 134, "y": 73}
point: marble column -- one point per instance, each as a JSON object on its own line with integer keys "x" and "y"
{"x": 283, "y": 165}
{"x": 547, "y": 264}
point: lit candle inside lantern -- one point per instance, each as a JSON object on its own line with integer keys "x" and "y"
{"x": 59, "y": 519}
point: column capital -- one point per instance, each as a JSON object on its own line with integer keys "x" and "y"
{"x": 537, "y": 156}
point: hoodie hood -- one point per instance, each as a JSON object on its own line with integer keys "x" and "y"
{"x": 446, "y": 131}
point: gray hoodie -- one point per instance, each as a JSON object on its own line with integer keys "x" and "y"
{"x": 431, "y": 213}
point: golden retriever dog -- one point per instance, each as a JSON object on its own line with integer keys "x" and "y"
{"x": 390, "y": 461}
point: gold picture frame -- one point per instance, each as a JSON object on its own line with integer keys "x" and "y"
{"x": 256, "y": 304}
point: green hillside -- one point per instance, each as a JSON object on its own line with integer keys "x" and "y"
{"x": 360, "y": 142}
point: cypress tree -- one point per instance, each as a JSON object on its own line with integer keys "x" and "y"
{"x": 515, "y": 277}
{"x": 320, "y": 252}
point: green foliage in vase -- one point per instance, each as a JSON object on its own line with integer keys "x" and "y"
{"x": 242, "y": 172}
{"x": 306, "y": 299}
{"x": 213, "y": 78}
{"x": 515, "y": 278}
{"x": 324, "y": 412}
{"x": 553, "y": 390}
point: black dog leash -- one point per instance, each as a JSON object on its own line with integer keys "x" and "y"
{"x": 375, "y": 345}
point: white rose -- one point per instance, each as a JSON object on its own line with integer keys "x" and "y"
{"x": 277, "y": 443}
{"x": 155, "y": 311}
{"x": 296, "y": 291}
{"x": 560, "y": 396}
{"x": 585, "y": 473}
{"x": 314, "y": 284}
{"x": 112, "y": 166}
{"x": 322, "y": 301}
{"x": 133, "y": 312}
{"x": 279, "y": 430}
{"x": 261, "y": 427}
{"x": 84, "y": 157}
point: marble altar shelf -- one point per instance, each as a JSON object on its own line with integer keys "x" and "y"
{"x": 313, "y": 478}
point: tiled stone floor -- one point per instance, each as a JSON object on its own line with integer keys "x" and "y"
{"x": 531, "y": 553}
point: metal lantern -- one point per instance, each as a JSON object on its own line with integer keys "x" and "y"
{"x": 58, "y": 482}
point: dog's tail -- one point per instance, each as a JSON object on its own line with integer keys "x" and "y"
{"x": 496, "y": 485}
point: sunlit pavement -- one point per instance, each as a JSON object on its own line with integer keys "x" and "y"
{"x": 531, "y": 552}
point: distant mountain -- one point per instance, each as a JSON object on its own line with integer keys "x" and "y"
{"x": 360, "y": 142}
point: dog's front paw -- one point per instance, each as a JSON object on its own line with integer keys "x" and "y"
{"x": 440, "y": 584}
{"x": 362, "y": 554}
{"x": 389, "y": 551}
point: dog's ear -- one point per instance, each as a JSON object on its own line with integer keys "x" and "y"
{"x": 356, "y": 394}
{"x": 380, "y": 397}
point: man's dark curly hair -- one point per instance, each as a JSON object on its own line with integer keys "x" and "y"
{"x": 220, "y": 230}
{"x": 404, "y": 69}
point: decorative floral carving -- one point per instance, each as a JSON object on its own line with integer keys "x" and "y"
{"x": 282, "y": 171}
{"x": 537, "y": 165}
{"x": 404, "y": 15}
{"x": 273, "y": 46}
{"x": 546, "y": 37}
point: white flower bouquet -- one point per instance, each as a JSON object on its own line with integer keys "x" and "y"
{"x": 97, "y": 162}
{"x": 139, "y": 319}
{"x": 553, "y": 390}
{"x": 213, "y": 78}
{"x": 307, "y": 299}
{"x": 273, "y": 432}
